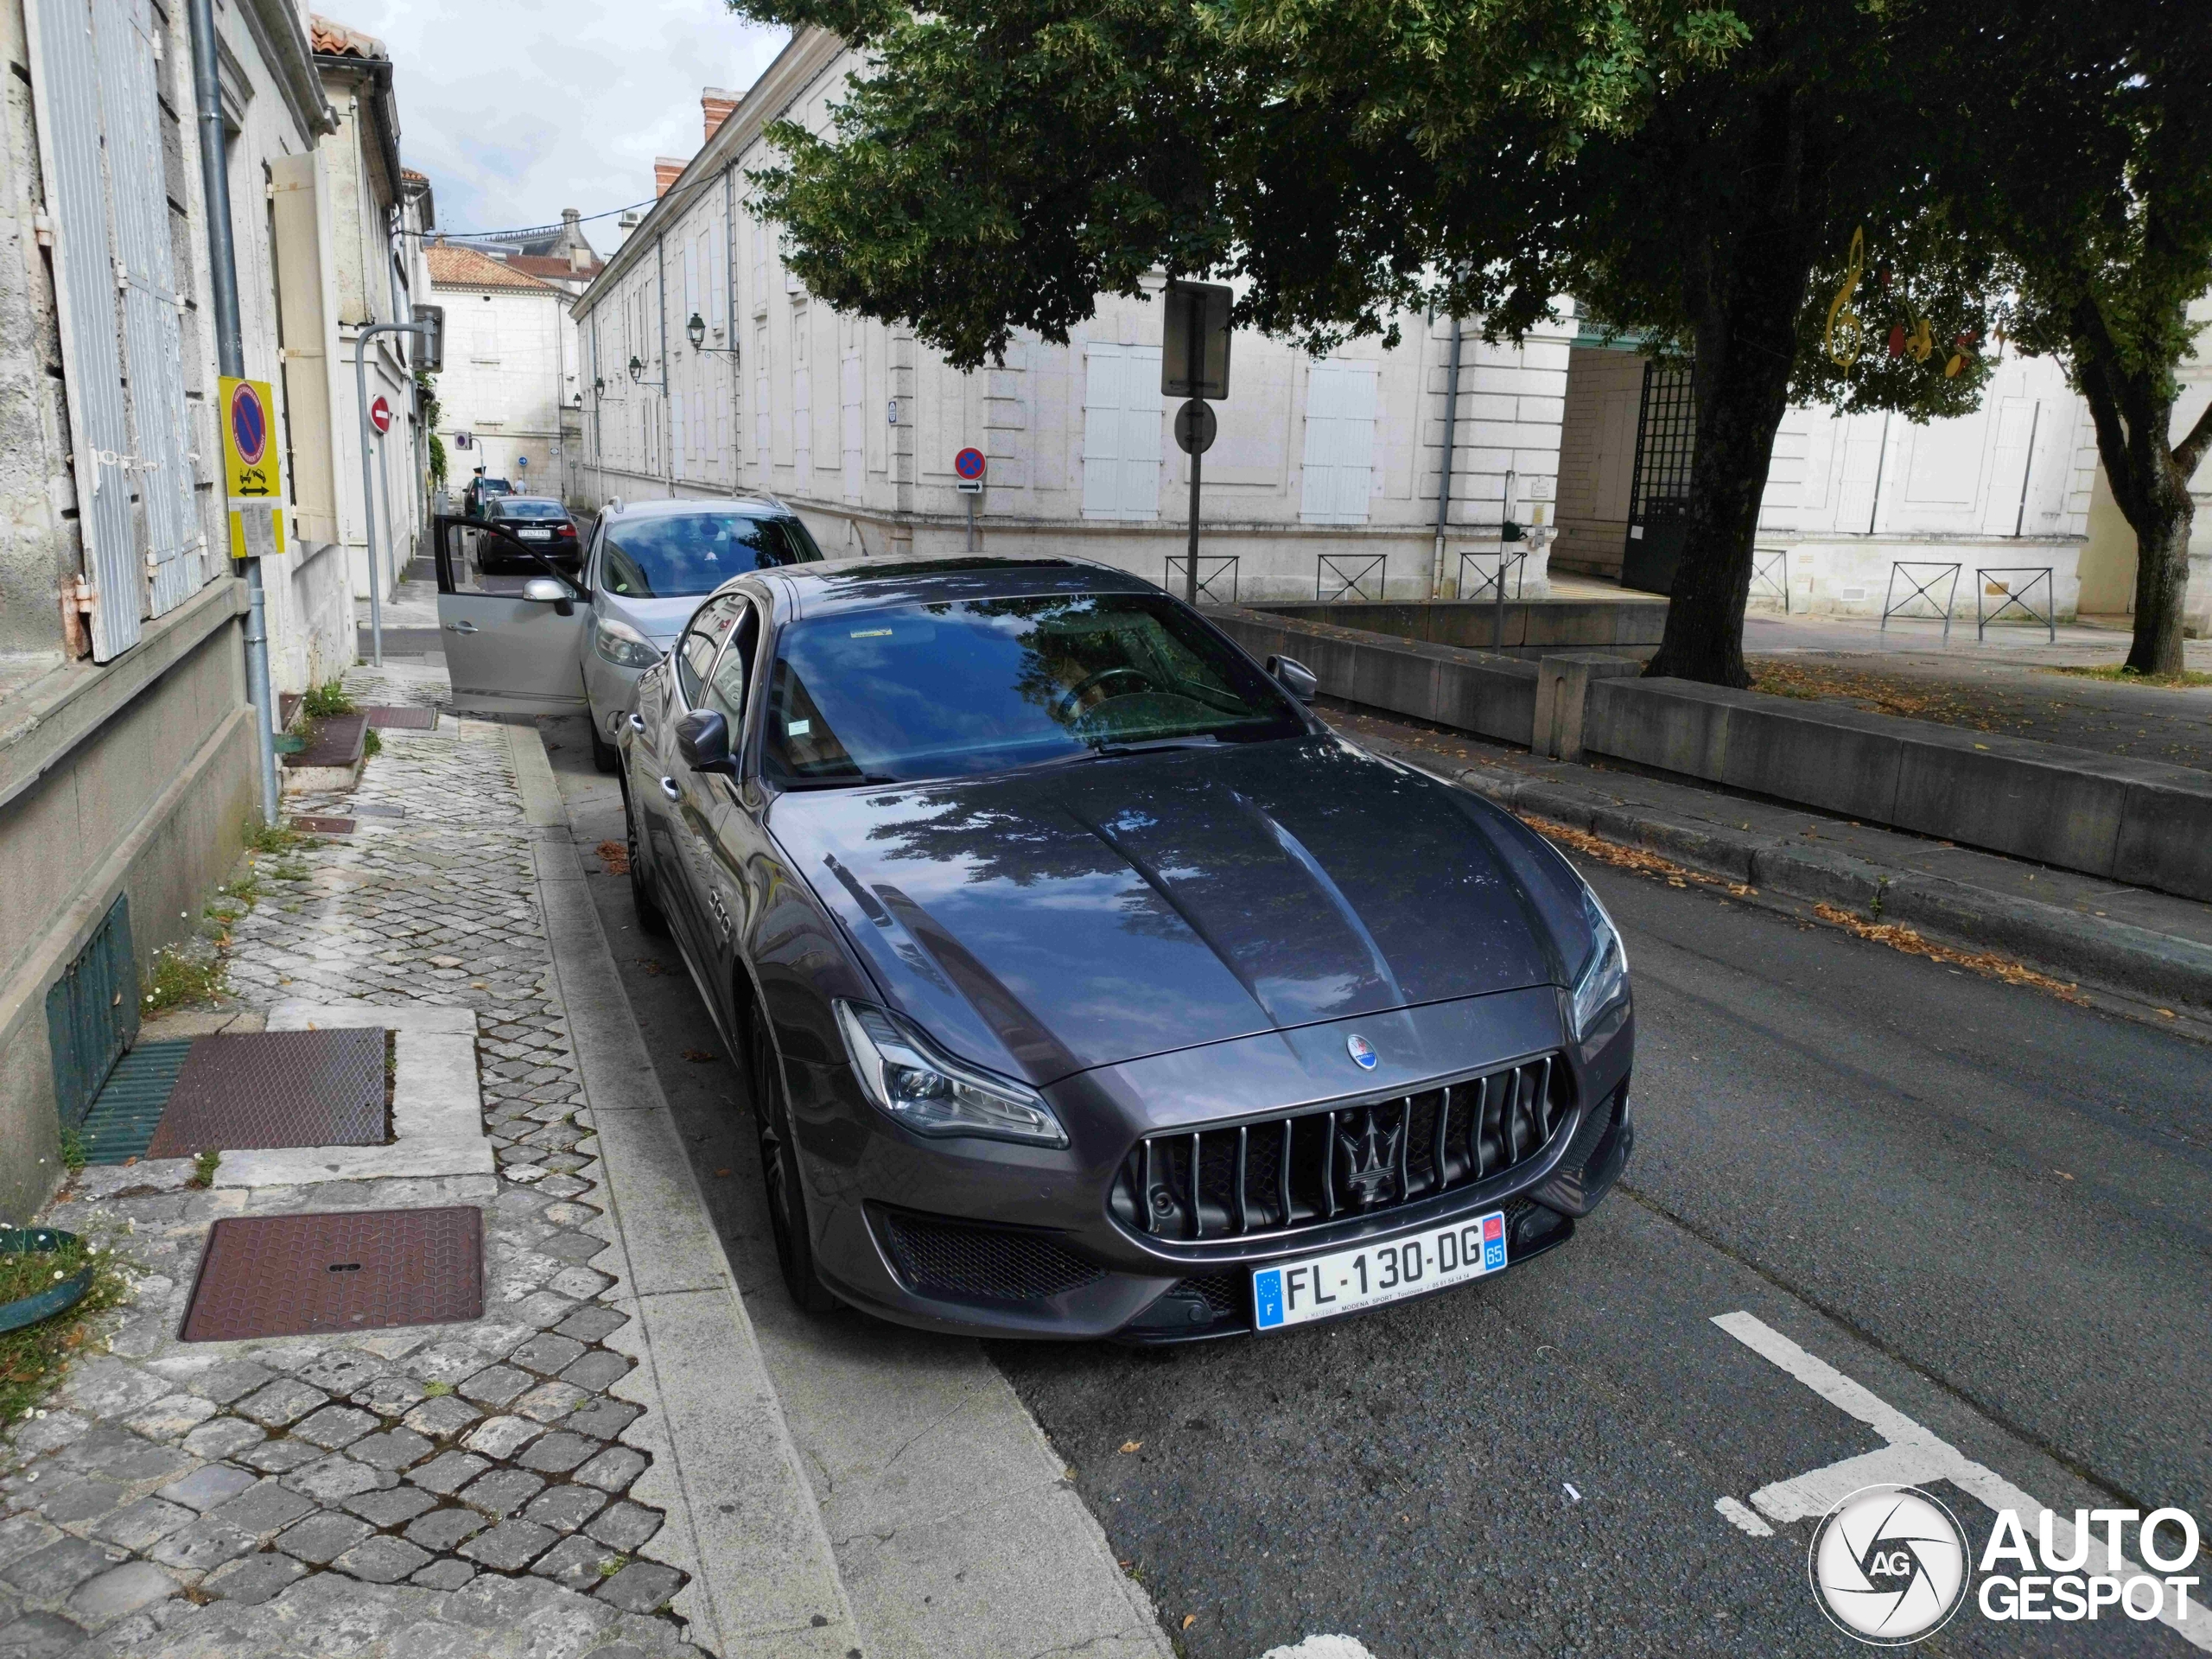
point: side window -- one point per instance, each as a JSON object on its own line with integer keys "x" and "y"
{"x": 694, "y": 652}
{"x": 726, "y": 686}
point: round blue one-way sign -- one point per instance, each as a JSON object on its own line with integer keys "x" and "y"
{"x": 969, "y": 463}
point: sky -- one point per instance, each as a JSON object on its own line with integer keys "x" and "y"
{"x": 516, "y": 109}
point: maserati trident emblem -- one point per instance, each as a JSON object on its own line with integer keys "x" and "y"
{"x": 1370, "y": 1158}
{"x": 1362, "y": 1052}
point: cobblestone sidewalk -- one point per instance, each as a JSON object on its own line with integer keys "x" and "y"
{"x": 431, "y": 1491}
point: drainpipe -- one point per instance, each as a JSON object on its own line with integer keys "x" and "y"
{"x": 667, "y": 413}
{"x": 230, "y": 359}
{"x": 1444, "y": 479}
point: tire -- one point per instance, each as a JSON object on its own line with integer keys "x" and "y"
{"x": 651, "y": 917}
{"x": 779, "y": 1173}
{"x": 604, "y": 755}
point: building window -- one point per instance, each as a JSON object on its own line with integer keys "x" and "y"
{"x": 1339, "y": 443}
{"x": 1121, "y": 431}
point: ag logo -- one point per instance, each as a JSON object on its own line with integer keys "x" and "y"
{"x": 1889, "y": 1565}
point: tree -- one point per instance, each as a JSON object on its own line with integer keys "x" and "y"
{"x": 1698, "y": 171}
{"x": 2093, "y": 133}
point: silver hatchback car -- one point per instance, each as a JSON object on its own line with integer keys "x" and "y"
{"x": 545, "y": 643}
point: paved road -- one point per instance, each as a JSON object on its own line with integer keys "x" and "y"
{"x": 1979, "y": 1202}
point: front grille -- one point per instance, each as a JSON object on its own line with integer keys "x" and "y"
{"x": 1285, "y": 1174}
{"x": 1225, "y": 1292}
{"x": 944, "y": 1257}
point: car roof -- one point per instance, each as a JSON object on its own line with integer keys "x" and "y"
{"x": 662, "y": 506}
{"x": 834, "y": 585}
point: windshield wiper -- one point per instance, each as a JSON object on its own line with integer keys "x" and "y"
{"x": 859, "y": 780}
{"x": 1109, "y": 751}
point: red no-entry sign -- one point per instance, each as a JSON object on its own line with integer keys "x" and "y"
{"x": 380, "y": 417}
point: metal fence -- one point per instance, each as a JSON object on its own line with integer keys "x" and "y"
{"x": 1919, "y": 588}
{"x": 1213, "y": 568}
{"x": 1350, "y": 573}
{"x": 2014, "y": 595}
{"x": 1770, "y": 574}
{"x": 1492, "y": 583}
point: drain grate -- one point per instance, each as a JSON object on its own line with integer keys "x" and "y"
{"x": 358, "y": 1270}
{"x": 122, "y": 1117}
{"x": 276, "y": 1089}
{"x": 336, "y": 741}
{"x": 312, "y": 825}
{"x": 403, "y": 720}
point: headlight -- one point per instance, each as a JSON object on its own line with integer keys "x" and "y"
{"x": 622, "y": 645}
{"x": 932, "y": 1094}
{"x": 1603, "y": 979}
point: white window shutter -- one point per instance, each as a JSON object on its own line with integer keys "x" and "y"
{"x": 1139, "y": 494}
{"x": 68, "y": 107}
{"x": 1120, "y": 432}
{"x": 1339, "y": 465}
{"x": 1102, "y": 432}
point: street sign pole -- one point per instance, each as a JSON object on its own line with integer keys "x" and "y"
{"x": 1194, "y": 370}
{"x": 971, "y": 521}
{"x": 969, "y": 466}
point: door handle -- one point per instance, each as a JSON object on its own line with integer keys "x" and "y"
{"x": 637, "y": 722}
{"x": 668, "y": 788}
{"x": 464, "y": 626}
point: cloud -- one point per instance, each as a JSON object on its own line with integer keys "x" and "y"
{"x": 516, "y": 111}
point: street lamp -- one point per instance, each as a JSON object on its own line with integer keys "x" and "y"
{"x": 695, "y": 331}
{"x": 637, "y": 375}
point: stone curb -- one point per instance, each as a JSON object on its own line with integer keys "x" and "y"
{"x": 2135, "y": 961}
{"x": 764, "y": 1576}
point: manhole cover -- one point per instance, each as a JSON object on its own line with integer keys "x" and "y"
{"x": 359, "y": 1270}
{"x": 318, "y": 826}
{"x": 405, "y": 720}
{"x": 276, "y": 1089}
{"x": 336, "y": 741}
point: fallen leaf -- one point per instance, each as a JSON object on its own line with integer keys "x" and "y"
{"x": 613, "y": 857}
{"x": 698, "y": 1056}
{"x": 1132, "y": 1446}
{"x": 2165, "y": 1013}
{"x": 722, "y": 1174}
{"x": 2061, "y": 1174}
{"x": 1189, "y": 1619}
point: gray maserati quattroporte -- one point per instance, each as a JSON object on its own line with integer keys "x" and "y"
{"x": 1088, "y": 985}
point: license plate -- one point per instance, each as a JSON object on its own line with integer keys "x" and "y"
{"x": 1323, "y": 1285}
{"x": 537, "y": 535}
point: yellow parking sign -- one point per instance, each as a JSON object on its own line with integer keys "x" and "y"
{"x": 253, "y": 477}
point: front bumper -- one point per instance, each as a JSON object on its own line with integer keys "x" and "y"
{"x": 979, "y": 1237}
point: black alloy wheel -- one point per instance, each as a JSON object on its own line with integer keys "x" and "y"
{"x": 779, "y": 1171}
{"x": 651, "y": 917}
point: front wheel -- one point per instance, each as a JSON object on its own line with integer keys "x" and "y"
{"x": 651, "y": 917}
{"x": 779, "y": 1172}
{"x": 605, "y": 757}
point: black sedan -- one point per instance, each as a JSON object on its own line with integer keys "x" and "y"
{"x": 527, "y": 525}
{"x": 1087, "y": 984}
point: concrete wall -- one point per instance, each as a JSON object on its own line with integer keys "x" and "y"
{"x": 1632, "y": 624}
{"x": 135, "y": 778}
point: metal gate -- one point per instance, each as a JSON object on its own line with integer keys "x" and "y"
{"x": 91, "y": 1015}
{"x": 1659, "y": 492}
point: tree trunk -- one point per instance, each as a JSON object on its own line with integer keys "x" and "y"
{"x": 1755, "y": 286}
{"x": 2161, "y": 581}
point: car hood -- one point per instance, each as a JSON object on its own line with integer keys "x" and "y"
{"x": 1052, "y": 920}
{"x": 660, "y": 619}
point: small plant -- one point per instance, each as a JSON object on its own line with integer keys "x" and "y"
{"x": 31, "y": 1358}
{"x": 178, "y": 980}
{"x": 371, "y": 743}
{"x": 73, "y": 1148}
{"x": 612, "y": 1565}
{"x": 323, "y": 700}
{"x": 290, "y": 870}
{"x": 203, "y": 1166}
{"x": 273, "y": 838}
{"x": 437, "y": 1389}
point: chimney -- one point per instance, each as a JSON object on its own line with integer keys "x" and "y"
{"x": 666, "y": 170}
{"x": 579, "y": 257}
{"x": 717, "y": 105}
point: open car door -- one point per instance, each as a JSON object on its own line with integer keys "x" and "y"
{"x": 512, "y": 625}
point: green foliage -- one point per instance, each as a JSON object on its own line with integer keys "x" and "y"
{"x": 203, "y": 1166}
{"x": 32, "y": 1358}
{"x": 178, "y": 981}
{"x": 329, "y": 698}
{"x": 274, "y": 838}
{"x": 437, "y": 461}
{"x": 372, "y": 743}
{"x": 72, "y": 1160}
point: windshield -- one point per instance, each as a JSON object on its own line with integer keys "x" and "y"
{"x": 486, "y": 486}
{"x": 527, "y": 507}
{"x": 952, "y": 689}
{"x": 695, "y": 552}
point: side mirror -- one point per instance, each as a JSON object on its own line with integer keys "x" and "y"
{"x": 1295, "y": 677}
{"x": 703, "y": 739}
{"x": 543, "y": 590}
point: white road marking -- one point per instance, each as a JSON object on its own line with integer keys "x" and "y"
{"x": 1571, "y": 1492}
{"x": 1913, "y": 1457}
{"x": 1731, "y": 1510}
{"x": 1321, "y": 1646}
